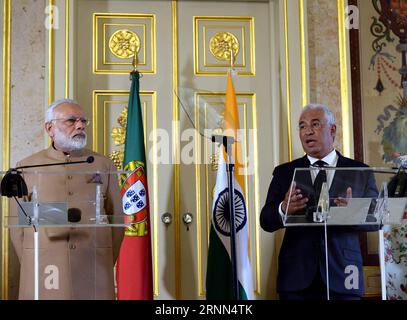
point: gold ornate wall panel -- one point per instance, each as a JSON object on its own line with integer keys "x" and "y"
{"x": 214, "y": 40}
{"x": 115, "y": 39}
{"x": 109, "y": 116}
{"x": 5, "y": 83}
{"x": 344, "y": 71}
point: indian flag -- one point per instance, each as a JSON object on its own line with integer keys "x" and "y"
{"x": 219, "y": 278}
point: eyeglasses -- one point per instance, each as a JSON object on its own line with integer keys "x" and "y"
{"x": 69, "y": 122}
{"x": 315, "y": 125}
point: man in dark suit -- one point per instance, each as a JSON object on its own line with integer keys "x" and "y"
{"x": 302, "y": 268}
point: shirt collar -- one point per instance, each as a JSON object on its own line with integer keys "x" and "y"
{"x": 60, "y": 155}
{"x": 331, "y": 159}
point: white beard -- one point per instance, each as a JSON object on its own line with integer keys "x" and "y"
{"x": 70, "y": 144}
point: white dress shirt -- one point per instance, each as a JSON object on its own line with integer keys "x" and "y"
{"x": 330, "y": 159}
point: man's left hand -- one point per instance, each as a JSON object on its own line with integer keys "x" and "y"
{"x": 343, "y": 202}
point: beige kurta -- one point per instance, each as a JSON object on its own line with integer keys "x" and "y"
{"x": 75, "y": 263}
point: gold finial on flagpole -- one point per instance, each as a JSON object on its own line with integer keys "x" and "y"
{"x": 232, "y": 59}
{"x": 135, "y": 61}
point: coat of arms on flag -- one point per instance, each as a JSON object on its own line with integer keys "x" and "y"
{"x": 134, "y": 195}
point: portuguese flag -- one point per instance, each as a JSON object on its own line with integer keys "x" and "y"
{"x": 134, "y": 265}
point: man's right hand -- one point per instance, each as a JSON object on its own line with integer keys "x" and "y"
{"x": 297, "y": 201}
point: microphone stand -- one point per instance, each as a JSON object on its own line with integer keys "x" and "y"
{"x": 36, "y": 245}
{"x": 228, "y": 142}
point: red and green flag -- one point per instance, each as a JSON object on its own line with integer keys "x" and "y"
{"x": 134, "y": 274}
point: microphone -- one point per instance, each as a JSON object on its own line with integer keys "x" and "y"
{"x": 223, "y": 139}
{"x": 321, "y": 213}
{"x": 227, "y": 141}
{"x": 74, "y": 215}
{"x": 13, "y": 184}
{"x": 401, "y": 162}
{"x": 89, "y": 159}
{"x": 397, "y": 186}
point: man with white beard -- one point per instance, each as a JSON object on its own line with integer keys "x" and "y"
{"x": 75, "y": 263}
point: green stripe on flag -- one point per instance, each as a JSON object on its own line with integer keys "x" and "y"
{"x": 219, "y": 282}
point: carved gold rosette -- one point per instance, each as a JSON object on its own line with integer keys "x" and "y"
{"x": 222, "y": 43}
{"x": 118, "y": 135}
{"x": 124, "y": 43}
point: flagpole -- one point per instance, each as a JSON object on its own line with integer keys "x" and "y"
{"x": 230, "y": 168}
{"x": 228, "y": 142}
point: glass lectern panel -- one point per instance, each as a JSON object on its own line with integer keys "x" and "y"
{"x": 349, "y": 196}
{"x": 349, "y": 201}
{"x": 67, "y": 231}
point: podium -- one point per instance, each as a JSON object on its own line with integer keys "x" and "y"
{"x": 351, "y": 200}
{"x": 67, "y": 233}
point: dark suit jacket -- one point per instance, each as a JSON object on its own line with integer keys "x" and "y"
{"x": 302, "y": 253}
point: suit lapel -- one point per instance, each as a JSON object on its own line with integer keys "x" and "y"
{"x": 337, "y": 181}
{"x": 303, "y": 178}
{"x": 341, "y": 161}
{"x": 307, "y": 177}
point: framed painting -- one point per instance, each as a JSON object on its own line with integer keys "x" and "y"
{"x": 378, "y": 48}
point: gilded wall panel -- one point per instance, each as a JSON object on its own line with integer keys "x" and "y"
{"x": 116, "y": 37}
{"x": 109, "y": 119}
{"x": 4, "y": 86}
{"x": 216, "y": 39}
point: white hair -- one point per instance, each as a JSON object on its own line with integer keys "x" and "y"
{"x": 49, "y": 113}
{"x": 330, "y": 118}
